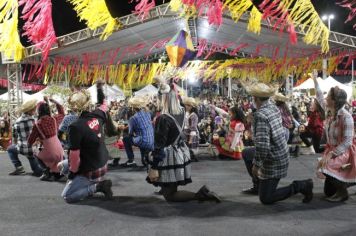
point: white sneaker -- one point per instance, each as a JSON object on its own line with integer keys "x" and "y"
{"x": 311, "y": 150}
{"x": 307, "y": 151}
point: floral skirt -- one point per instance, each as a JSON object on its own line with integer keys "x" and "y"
{"x": 224, "y": 149}
{"x": 334, "y": 165}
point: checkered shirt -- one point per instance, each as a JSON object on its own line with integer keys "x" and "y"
{"x": 21, "y": 131}
{"x": 97, "y": 175}
{"x": 140, "y": 126}
{"x": 68, "y": 119}
{"x": 272, "y": 155}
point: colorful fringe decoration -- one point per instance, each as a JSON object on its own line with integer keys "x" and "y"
{"x": 96, "y": 14}
{"x": 9, "y": 36}
{"x": 237, "y": 8}
{"x": 300, "y": 13}
{"x": 131, "y": 76}
{"x": 351, "y": 5}
{"x": 142, "y": 9}
{"x": 215, "y": 12}
{"x": 39, "y": 26}
{"x": 254, "y": 24}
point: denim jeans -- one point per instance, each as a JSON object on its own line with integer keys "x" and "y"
{"x": 78, "y": 189}
{"x": 269, "y": 193}
{"x": 128, "y": 143}
{"x": 14, "y": 157}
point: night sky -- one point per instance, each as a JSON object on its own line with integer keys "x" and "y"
{"x": 66, "y": 21}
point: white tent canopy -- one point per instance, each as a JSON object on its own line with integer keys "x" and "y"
{"x": 39, "y": 96}
{"x": 5, "y": 96}
{"x": 112, "y": 94}
{"x": 325, "y": 85}
{"x": 149, "y": 90}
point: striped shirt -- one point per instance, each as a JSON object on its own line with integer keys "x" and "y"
{"x": 272, "y": 154}
{"x": 140, "y": 127}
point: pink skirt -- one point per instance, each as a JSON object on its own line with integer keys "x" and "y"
{"x": 333, "y": 167}
{"x": 52, "y": 153}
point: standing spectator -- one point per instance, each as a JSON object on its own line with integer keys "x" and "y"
{"x": 5, "y": 134}
{"x": 20, "y": 133}
{"x": 191, "y": 125}
{"x": 285, "y": 113}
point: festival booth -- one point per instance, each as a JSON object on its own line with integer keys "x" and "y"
{"x": 112, "y": 94}
{"x": 325, "y": 86}
{"x": 149, "y": 91}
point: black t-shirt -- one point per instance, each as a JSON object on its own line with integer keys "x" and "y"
{"x": 86, "y": 134}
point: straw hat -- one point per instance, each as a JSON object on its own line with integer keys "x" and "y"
{"x": 190, "y": 101}
{"x": 280, "y": 97}
{"x": 79, "y": 101}
{"x": 28, "y": 106}
{"x": 137, "y": 102}
{"x": 261, "y": 90}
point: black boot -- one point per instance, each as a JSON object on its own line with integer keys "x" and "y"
{"x": 251, "y": 191}
{"x": 105, "y": 188}
{"x": 46, "y": 176}
{"x": 204, "y": 194}
{"x": 341, "y": 194}
{"x": 304, "y": 187}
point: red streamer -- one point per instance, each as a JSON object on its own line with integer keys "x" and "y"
{"x": 351, "y": 5}
{"x": 39, "y": 25}
{"x": 143, "y": 8}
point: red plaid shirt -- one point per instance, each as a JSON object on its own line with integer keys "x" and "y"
{"x": 97, "y": 175}
{"x": 48, "y": 125}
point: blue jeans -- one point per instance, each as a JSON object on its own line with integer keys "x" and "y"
{"x": 269, "y": 193}
{"x": 78, "y": 189}
{"x": 14, "y": 157}
{"x": 128, "y": 143}
{"x": 248, "y": 154}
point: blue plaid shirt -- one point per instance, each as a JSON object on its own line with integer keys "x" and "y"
{"x": 140, "y": 127}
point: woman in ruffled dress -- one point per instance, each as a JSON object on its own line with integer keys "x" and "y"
{"x": 191, "y": 125}
{"x": 338, "y": 164}
{"x": 46, "y": 130}
{"x": 231, "y": 145}
{"x": 170, "y": 166}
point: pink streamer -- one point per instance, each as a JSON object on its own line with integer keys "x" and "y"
{"x": 215, "y": 12}
{"x": 351, "y": 5}
{"x": 143, "y": 8}
{"x": 39, "y": 25}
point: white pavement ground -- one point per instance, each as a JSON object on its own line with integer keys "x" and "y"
{"x": 31, "y": 207}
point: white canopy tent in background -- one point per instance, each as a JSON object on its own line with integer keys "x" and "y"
{"x": 149, "y": 90}
{"x": 112, "y": 94}
{"x": 325, "y": 85}
{"x": 39, "y": 96}
{"x": 5, "y": 96}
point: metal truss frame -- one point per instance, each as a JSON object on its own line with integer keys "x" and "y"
{"x": 14, "y": 88}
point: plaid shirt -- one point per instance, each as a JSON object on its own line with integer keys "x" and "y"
{"x": 48, "y": 125}
{"x": 340, "y": 137}
{"x": 97, "y": 175}
{"x": 140, "y": 126}
{"x": 68, "y": 119}
{"x": 21, "y": 131}
{"x": 272, "y": 155}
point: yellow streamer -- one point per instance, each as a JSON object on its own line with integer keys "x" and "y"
{"x": 237, "y": 7}
{"x": 96, "y": 14}
{"x": 254, "y": 24}
{"x": 9, "y": 37}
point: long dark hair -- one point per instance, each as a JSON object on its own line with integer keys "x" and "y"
{"x": 339, "y": 96}
{"x": 284, "y": 106}
{"x": 238, "y": 114}
{"x": 319, "y": 109}
{"x": 44, "y": 110}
